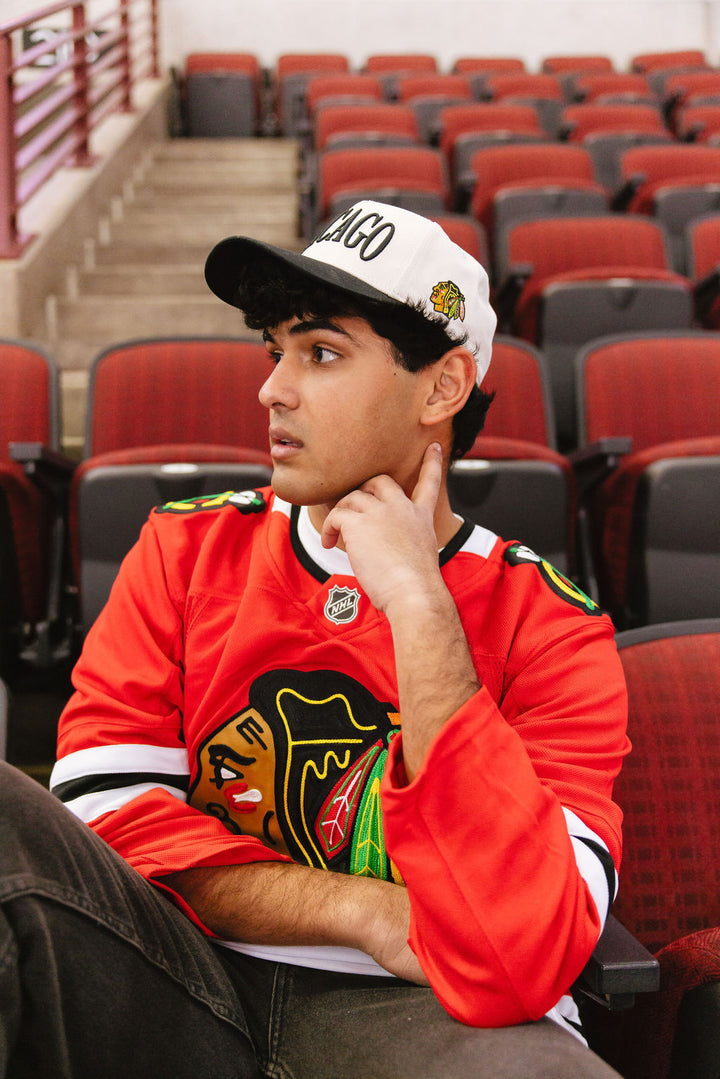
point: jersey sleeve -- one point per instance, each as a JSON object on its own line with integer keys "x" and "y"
{"x": 507, "y": 837}
{"x": 122, "y": 763}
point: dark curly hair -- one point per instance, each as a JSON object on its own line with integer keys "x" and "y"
{"x": 270, "y": 293}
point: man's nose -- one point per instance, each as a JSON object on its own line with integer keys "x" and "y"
{"x": 278, "y": 388}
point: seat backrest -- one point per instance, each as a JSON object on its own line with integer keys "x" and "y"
{"x": 479, "y": 65}
{"x": 559, "y": 245}
{"x": 683, "y": 85}
{"x": 396, "y": 62}
{"x": 581, "y": 120}
{"x": 511, "y": 84}
{"x": 296, "y": 63}
{"x": 667, "y": 789}
{"x": 698, "y": 122}
{"x": 556, "y": 65}
{"x": 412, "y": 86}
{"x": 30, "y": 410}
{"x": 703, "y": 245}
{"x": 599, "y": 84}
{"x": 462, "y": 119}
{"x": 467, "y": 233}
{"x": 671, "y": 161}
{"x": 374, "y": 167}
{"x": 500, "y": 166}
{"x": 663, "y": 61}
{"x": 656, "y": 388}
{"x": 522, "y": 408}
{"x": 243, "y": 62}
{"x": 320, "y": 87}
{"x": 382, "y": 118}
{"x": 177, "y": 390}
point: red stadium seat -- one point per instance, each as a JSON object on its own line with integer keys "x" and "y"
{"x": 670, "y": 884}
{"x": 513, "y": 480}
{"x": 428, "y": 94}
{"x": 168, "y": 419}
{"x": 702, "y": 253}
{"x": 673, "y": 183}
{"x": 543, "y": 91}
{"x": 33, "y": 493}
{"x": 383, "y": 123}
{"x": 409, "y": 176}
{"x": 292, "y": 73}
{"x": 616, "y": 85}
{"x": 477, "y": 69}
{"x": 223, "y": 94}
{"x": 559, "y": 65}
{"x": 547, "y": 179}
{"x": 465, "y": 129}
{"x": 577, "y": 278}
{"x": 654, "y": 518}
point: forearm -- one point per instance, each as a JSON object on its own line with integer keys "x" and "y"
{"x": 286, "y": 903}
{"x": 435, "y": 672}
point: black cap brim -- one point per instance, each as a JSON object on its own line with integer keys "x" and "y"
{"x": 222, "y": 269}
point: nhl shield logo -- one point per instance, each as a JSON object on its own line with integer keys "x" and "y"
{"x": 342, "y": 605}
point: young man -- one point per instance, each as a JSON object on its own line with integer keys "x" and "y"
{"x": 366, "y": 748}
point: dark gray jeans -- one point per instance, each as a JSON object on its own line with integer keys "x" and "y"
{"x": 101, "y": 976}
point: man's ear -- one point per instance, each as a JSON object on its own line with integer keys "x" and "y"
{"x": 453, "y": 377}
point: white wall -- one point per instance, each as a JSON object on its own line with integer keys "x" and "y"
{"x": 532, "y": 29}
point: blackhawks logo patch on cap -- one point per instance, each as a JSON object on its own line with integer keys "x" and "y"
{"x": 447, "y": 298}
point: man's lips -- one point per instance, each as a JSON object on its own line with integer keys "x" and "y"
{"x": 283, "y": 444}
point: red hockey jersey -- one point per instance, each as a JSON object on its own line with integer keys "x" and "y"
{"x": 236, "y": 701}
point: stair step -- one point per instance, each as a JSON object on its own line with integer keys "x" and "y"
{"x": 143, "y": 249}
{"x": 252, "y": 149}
{"x": 142, "y": 279}
{"x": 102, "y": 320}
{"x": 146, "y": 279}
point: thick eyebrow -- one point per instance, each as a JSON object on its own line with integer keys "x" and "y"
{"x": 310, "y": 325}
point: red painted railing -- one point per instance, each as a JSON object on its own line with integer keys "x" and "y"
{"x": 61, "y": 74}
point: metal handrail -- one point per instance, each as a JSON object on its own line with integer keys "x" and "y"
{"x": 54, "y": 94}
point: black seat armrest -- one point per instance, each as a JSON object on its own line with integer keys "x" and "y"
{"x": 705, "y": 292}
{"x": 464, "y": 187}
{"x": 591, "y": 464}
{"x": 619, "y": 968}
{"x": 39, "y": 460}
{"x": 624, "y": 196}
{"x": 509, "y": 291}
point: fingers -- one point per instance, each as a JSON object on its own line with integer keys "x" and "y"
{"x": 427, "y": 487}
{"x": 383, "y": 488}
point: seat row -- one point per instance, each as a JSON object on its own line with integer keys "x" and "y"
{"x": 229, "y": 93}
{"x": 631, "y": 516}
{"x": 624, "y": 170}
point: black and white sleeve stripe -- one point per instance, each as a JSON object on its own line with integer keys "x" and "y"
{"x": 103, "y": 778}
{"x": 594, "y": 863}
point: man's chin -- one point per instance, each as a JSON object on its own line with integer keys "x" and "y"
{"x": 292, "y": 489}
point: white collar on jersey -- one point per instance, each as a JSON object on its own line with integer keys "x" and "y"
{"x": 333, "y": 561}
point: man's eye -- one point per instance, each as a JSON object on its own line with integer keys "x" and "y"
{"x": 324, "y": 355}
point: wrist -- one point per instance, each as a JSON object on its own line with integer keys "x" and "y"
{"x": 427, "y": 602}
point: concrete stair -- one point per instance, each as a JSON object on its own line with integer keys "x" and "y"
{"x": 143, "y": 274}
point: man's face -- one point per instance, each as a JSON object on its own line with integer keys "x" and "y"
{"x": 341, "y": 410}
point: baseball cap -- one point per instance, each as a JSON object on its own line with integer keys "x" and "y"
{"x": 379, "y": 252}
